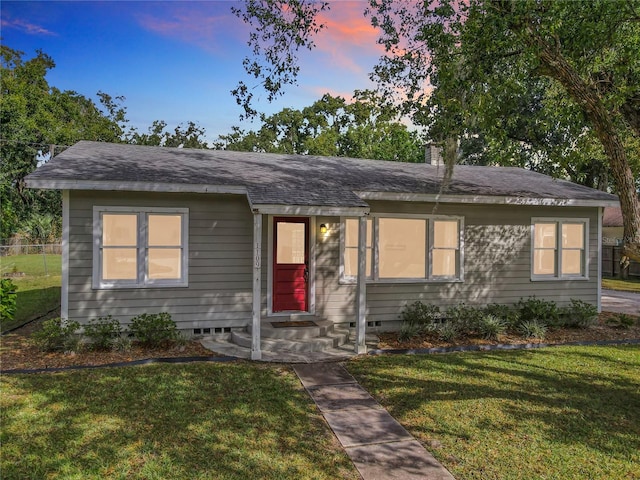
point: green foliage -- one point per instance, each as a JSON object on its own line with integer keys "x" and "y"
{"x": 621, "y": 320}
{"x": 466, "y": 318}
{"x": 58, "y": 335}
{"x": 8, "y": 298}
{"x": 419, "y": 314}
{"x": 103, "y": 332}
{"x": 153, "y": 329}
{"x": 368, "y": 127}
{"x": 507, "y": 313}
{"x": 448, "y": 331}
{"x": 533, "y": 329}
{"x": 409, "y": 331}
{"x": 544, "y": 311}
{"x": 579, "y": 314}
{"x": 490, "y": 327}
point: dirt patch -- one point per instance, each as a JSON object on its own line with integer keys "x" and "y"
{"x": 600, "y": 331}
{"x": 17, "y": 351}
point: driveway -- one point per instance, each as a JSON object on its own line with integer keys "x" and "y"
{"x": 620, "y": 302}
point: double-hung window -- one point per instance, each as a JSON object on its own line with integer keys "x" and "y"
{"x": 140, "y": 247}
{"x": 560, "y": 248}
{"x": 405, "y": 248}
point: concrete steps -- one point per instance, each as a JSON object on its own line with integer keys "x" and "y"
{"x": 292, "y": 344}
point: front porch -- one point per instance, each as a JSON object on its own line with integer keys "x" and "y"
{"x": 298, "y": 339}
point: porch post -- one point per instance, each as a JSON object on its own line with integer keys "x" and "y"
{"x": 256, "y": 354}
{"x": 361, "y": 290}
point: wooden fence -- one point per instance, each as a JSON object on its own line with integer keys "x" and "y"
{"x": 611, "y": 263}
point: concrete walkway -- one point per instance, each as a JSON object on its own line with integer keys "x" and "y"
{"x": 378, "y": 445}
{"x": 620, "y": 302}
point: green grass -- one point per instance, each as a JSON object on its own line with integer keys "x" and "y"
{"x": 37, "y": 293}
{"x": 561, "y": 413}
{"x": 623, "y": 285}
{"x": 194, "y": 421}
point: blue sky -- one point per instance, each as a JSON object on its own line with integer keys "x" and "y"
{"x": 178, "y": 60}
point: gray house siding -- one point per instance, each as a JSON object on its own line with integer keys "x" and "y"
{"x": 497, "y": 263}
{"x": 220, "y": 262}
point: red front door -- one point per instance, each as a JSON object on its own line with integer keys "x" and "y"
{"x": 290, "y": 264}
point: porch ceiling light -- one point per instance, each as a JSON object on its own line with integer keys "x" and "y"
{"x": 323, "y": 228}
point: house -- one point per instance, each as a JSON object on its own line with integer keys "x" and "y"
{"x": 612, "y": 228}
{"x": 226, "y": 240}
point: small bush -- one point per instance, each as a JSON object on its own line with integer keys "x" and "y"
{"x": 533, "y": 329}
{"x": 491, "y": 327}
{"x": 579, "y": 314}
{"x": 448, "y": 331}
{"x": 537, "y": 309}
{"x": 408, "y": 331}
{"x": 122, "y": 344}
{"x": 7, "y": 300}
{"x": 466, "y": 318}
{"x": 419, "y": 314}
{"x": 58, "y": 335}
{"x": 621, "y": 321}
{"x": 153, "y": 329}
{"x": 103, "y": 332}
{"x": 510, "y": 315}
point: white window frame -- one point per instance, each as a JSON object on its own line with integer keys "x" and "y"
{"x": 557, "y": 275}
{"x": 375, "y": 252}
{"x": 142, "y": 248}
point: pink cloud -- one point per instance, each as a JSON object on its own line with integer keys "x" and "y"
{"x": 26, "y": 27}
{"x": 348, "y": 36}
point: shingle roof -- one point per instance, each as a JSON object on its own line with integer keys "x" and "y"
{"x": 293, "y": 179}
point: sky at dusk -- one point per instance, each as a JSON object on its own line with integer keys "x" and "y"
{"x": 178, "y": 60}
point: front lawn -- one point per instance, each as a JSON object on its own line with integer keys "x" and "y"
{"x": 194, "y": 421}
{"x": 561, "y": 413}
{"x": 37, "y": 292}
{"x": 629, "y": 285}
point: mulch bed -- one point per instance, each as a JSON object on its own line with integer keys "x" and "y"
{"x": 18, "y": 352}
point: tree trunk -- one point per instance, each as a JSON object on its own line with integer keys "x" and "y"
{"x": 556, "y": 66}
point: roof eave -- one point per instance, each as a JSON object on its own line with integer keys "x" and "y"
{"x": 486, "y": 199}
{"x": 52, "y": 184}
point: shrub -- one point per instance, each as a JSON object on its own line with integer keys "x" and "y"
{"x": 122, "y": 343}
{"x": 408, "y": 331}
{"x": 419, "y": 314}
{"x": 448, "y": 331}
{"x": 510, "y": 315}
{"x": 537, "y": 309}
{"x": 620, "y": 321}
{"x": 153, "y": 329}
{"x": 7, "y": 300}
{"x": 491, "y": 327}
{"x": 103, "y": 332}
{"x": 533, "y": 329}
{"x": 579, "y": 314}
{"x": 58, "y": 335}
{"x": 466, "y": 318}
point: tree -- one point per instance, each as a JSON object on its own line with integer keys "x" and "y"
{"x": 39, "y": 120}
{"x": 189, "y": 136}
{"x": 458, "y": 67}
{"x": 367, "y": 127}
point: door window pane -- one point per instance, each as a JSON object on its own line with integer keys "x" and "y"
{"x": 291, "y": 243}
{"x": 402, "y": 248}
